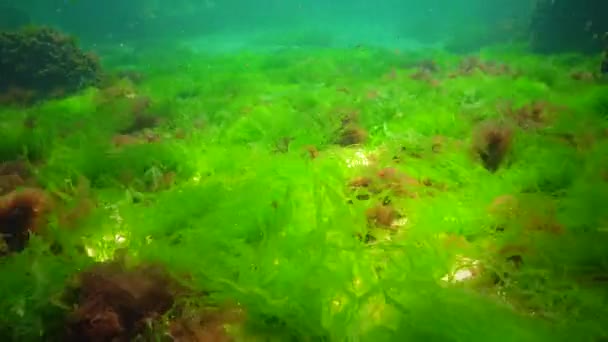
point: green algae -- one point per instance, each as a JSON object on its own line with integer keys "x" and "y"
{"x": 275, "y": 230}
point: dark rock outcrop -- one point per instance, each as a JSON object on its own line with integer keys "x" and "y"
{"x": 43, "y": 62}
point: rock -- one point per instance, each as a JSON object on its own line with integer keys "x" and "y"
{"x": 46, "y": 62}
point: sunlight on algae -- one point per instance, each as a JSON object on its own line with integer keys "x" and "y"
{"x": 105, "y": 249}
{"x": 333, "y": 195}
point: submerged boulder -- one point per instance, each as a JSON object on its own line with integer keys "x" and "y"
{"x": 44, "y": 62}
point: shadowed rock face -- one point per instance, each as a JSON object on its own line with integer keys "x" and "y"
{"x": 569, "y": 25}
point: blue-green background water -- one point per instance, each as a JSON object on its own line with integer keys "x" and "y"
{"x": 354, "y": 22}
{"x": 559, "y": 25}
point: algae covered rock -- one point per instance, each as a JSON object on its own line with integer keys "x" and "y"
{"x": 44, "y": 63}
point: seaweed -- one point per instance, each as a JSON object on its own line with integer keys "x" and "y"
{"x": 253, "y": 209}
{"x": 492, "y": 142}
{"x": 116, "y": 304}
{"x": 22, "y": 213}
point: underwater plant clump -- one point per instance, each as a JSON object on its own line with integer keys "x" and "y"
{"x": 383, "y": 216}
{"x": 116, "y": 304}
{"x": 352, "y": 136}
{"x": 141, "y": 116}
{"x": 21, "y": 213}
{"x": 13, "y": 174}
{"x": 471, "y": 64}
{"x": 427, "y": 71}
{"x": 350, "y": 132}
{"x": 491, "y": 143}
{"x": 43, "y": 62}
{"x": 532, "y": 115}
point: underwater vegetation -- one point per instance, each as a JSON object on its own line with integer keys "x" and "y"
{"x": 21, "y": 214}
{"x": 326, "y": 194}
{"x": 114, "y": 303}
